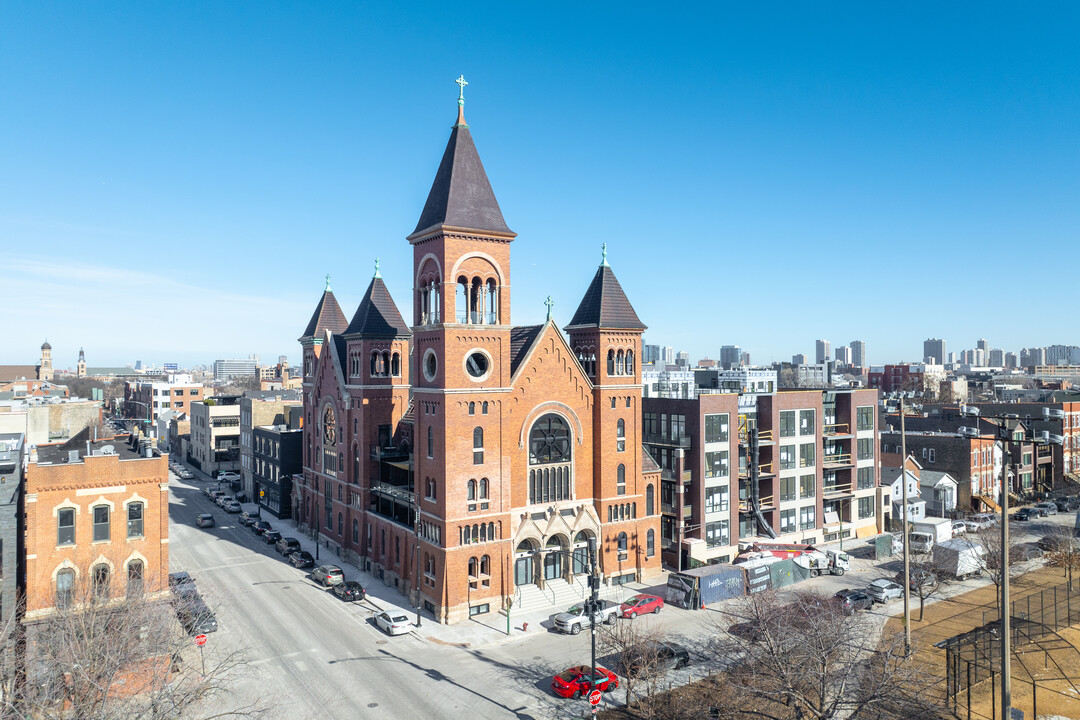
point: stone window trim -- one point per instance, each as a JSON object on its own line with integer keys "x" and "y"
{"x": 136, "y": 498}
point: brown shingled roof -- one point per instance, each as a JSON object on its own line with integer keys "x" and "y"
{"x": 377, "y": 315}
{"x": 605, "y": 305}
{"x": 327, "y": 316}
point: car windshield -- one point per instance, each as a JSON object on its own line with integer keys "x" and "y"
{"x": 400, "y": 618}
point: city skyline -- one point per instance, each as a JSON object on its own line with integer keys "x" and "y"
{"x": 188, "y": 169}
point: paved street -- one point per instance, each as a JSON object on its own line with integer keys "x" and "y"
{"x": 311, "y": 655}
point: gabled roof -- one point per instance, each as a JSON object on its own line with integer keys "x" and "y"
{"x": 521, "y": 339}
{"x": 461, "y": 195}
{"x": 327, "y": 316}
{"x": 648, "y": 464}
{"x": 377, "y": 315}
{"x": 605, "y": 305}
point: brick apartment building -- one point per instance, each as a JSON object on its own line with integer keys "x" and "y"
{"x": 261, "y": 408}
{"x": 918, "y": 377}
{"x": 214, "y": 445}
{"x": 277, "y": 455}
{"x": 518, "y": 446}
{"x": 817, "y": 478}
{"x": 147, "y": 399}
{"x": 96, "y": 521}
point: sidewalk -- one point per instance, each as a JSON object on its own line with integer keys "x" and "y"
{"x": 479, "y": 631}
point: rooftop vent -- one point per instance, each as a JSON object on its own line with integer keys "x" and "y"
{"x": 108, "y": 450}
{"x": 73, "y": 456}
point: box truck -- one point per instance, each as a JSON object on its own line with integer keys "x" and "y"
{"x": 959, "y": 558}
{"x": 693, "y": 589}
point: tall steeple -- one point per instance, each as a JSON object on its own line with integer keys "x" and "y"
{"x": 461, "y": 196}
{"x": 327, "y": 316}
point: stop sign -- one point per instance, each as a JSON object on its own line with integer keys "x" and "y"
{"x": 200, "y": 640}
{"x": 594, "y": 697}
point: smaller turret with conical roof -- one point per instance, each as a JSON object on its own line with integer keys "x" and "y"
{"x": 327, "y": 316}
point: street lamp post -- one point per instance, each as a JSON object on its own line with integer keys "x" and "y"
{"x": 1006, "y": 437}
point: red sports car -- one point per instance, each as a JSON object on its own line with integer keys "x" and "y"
{"x": 574, "y": 682}
{"x": 641, "y": 604}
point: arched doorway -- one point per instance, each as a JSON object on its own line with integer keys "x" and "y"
{"x": 554, "y": 554}
{"x": 524, "y": 569}
{"x": 581, "y": 554}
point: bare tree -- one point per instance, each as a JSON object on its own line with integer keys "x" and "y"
{"x": 1063, "y": 551}
{"x": 804, "y": 659}
{"x": 990, "y": 561}
{"x": 103, "y": 657}
{"x": 926, "y": 578}
{"x": 634, "y": 646}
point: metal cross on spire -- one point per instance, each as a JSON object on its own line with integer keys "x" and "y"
{"x": 461, "y": 89}
{"x": 377, "y": 275}
{"x": 549, "y": 302}
{"x": 327, "y": 282}
{"x": 603, "y": 248}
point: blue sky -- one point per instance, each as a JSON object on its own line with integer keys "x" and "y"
{"x": 176, "y": 178}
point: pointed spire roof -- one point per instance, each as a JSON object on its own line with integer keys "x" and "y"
{"x": 461, "y": 196}
{"x": 327, "y": 316}
{"x": 605, "y": 304}
{"x": 377, "y": 315}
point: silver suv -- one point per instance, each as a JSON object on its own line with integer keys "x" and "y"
{"x": 327, "y": 575}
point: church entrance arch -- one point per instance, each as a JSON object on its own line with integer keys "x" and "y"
{"x": 580, "y": 565}
{"x": 554, "y": 558}
{"x": 524, "y": 563}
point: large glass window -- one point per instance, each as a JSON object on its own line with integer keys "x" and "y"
{"x": 100, "y": 577}
{"x": 65, "y": 588}
{"x": 678, "y": 427}
{"x": 807, "y": 455}
{"x": 135, "y": 520}
{"x": 101, "y": 523}
{"x": 716, "y": 533}
{"x": 865, "y": 418}
{"x": 866, "y": 507}
{"x": 806, "y": 422}
{"x": 650, "y": 543}
{"x": 716, "y": 499}
{"x": 549, "y": 441}
{"x": 787, "y": 489}
{"x": 787, "y": 520}
{"x": 65, "y": 526}
{"x": 807, "y": 485}
{"x": 866, "y": 448}
{"x": 865, "y": 478}
{"x": 650, "y": 500}
{"x": 716, "y": 428}
{"x": 787, "y": 457}
{"x": 716, "y": 464}
{"x": 806, "y": 518}
{"x": 787, "y": 423}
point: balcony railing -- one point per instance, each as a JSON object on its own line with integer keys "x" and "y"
{"x": 395, "y": 491}
{"x": 765, "y": 437}
{"x": 836, "y": 429}
{"x": 836, "y": 459}
{"x": 655, "y": 439}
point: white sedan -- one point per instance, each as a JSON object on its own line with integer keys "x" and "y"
{"x": 393, "y": 624}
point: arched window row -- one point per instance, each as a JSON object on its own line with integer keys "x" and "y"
{"x": 431, "y": 532}
{"x": 480, "y": 572}
{"x": 479, "y": 532}
{"x": 620, "y": 362}
{"x": 476, "y": 301}
{"x": 587, "y": 357}
{"x": 550, "y": 484}
{"x": 477, "y": 490}
{"x": 618, "y": 513}
{"x": 482, "y": 405}
{"x": 429, "y": 297}
{"x": 385, "y": 364}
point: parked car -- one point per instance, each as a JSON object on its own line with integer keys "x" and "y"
{"x": 231, "y": 506}
{"x": 222, "y": 499}
{"x": 301, "y": 559}
{"x": 260, "y": 527}
{"x": 205, "y": 520}
{"x": 657, "y": 656}
{"x": 1025, "y": 551}
{"x": 882, "y": 590}
{"x": 919, "y": 578}
{"x": 1024, "y": 514}
{"x": 247, "y": 519}
{"x": 214, "y": 494}
{"x": 393, "y": 623}
{"x": 229, "y": 477}
{"x": 852, "y": 600}
{"x": 349, "y": 591}
{"x": 287, "y": 545}
{"x": 270, "y": 537}
{"x": 982, "y": 520}
{"x": 196, "y": 617}
{"x": 1039, "y": 511}
{"x": 575, "y": 619}
{"x": 186, "y": 475}
{"x": 328, "y": 575}
{"x": 639, "y": 605}
{"x": 1049, "y": 507}
{"x": 179, "y": 578}
{"x": 1062, "y": 504}
{"x": 959, "y": 527}
{"x": 575, "y": 682}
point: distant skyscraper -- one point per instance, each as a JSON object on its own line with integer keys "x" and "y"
{"x": 843, "y": 355}
{"x": 651, "y": 353}
{"x": 933, "y": 351}
{"x": 729, "y": 356}
{"x": 682, "y": 358}
{"x": 744, "y": 359}
{"x": 1030, "y": 357}
{"x": 824, "y": 351}
{"x": 799, "y": 359}
{"x": 667, "y": 355}
{"x": 858, "y": 353}
{"x": 1011, "y": 361}
{"x": 952, "y": 358}
{"x": 997, "y": 358}
{"x": 982, "y": 345}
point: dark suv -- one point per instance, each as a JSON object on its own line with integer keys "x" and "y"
{"x": 852, "y": 600}
{"x": 287, "y": 546}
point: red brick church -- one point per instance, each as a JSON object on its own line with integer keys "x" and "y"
{"x": 463, "y": 455}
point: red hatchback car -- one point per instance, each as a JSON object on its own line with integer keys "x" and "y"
{"x": 574, "y": 682}
{"x": 641, "y": 604}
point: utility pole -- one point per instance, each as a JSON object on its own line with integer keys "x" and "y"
{"x": 1006, "y": 644}
{"x": 593, "y": 607}
{"x": 907, "y": 551}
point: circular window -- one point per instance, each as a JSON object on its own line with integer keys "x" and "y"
{"x": 431, "y": 365}
{"x": 477, "y": 364}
